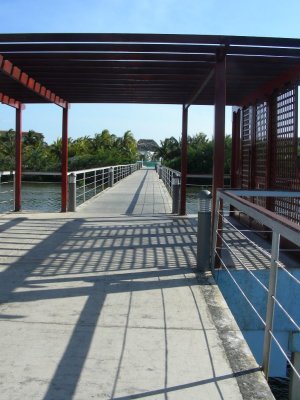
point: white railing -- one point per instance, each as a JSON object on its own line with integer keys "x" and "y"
{"x": 85, "y": 184}
{"x": 167, "y": 174}
{"x": 7, "y": 191}
{"x": 278, "y": 226}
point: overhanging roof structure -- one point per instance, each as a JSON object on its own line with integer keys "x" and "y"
{"x": 142, "y": 68}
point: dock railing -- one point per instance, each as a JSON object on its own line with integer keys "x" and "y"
{"x": 239, "y": 202}
{"x": 85, "y": 184}
{"x": 7, "y": 191}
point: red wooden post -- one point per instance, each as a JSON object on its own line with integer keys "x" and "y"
{"x": 219, "y": 131}
{"x": 235, "y": 155}
{"x": 219, "y": 138}
{"x": 18, "y": 159}
{"x": 64, "y": 162}
{"x": 183, "y": 160}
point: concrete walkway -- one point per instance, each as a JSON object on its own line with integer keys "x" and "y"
{"x": 103, "y": 304}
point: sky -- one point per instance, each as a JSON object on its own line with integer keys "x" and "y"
{"x": 207, "y": 17}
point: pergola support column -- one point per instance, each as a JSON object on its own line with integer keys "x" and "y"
{"x": 64, "y": 162}
{"x": 183, "y": 160}
{"x": 235, "y": 154}
{"x": 18, "y": 159}
{"x": 219, "y": 128}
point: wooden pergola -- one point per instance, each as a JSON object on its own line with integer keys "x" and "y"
{"x": 146, "y": 69}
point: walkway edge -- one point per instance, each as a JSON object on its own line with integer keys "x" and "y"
{"x": 251, "y": 381}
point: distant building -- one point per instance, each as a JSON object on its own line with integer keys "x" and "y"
{"x": 146, "y": 148}
{"x": 24, "y": 134}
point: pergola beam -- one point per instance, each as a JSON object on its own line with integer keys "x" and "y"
{"x": 15, "y": 73}
{"x": 9, "y": 101}
{"x": 153, "y": 38}
{"x": 200, "y": 90}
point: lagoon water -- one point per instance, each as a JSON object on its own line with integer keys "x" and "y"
{"x": 45, "y": 196}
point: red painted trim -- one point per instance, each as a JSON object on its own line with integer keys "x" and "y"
{"x": 31, "y": 83}
{"x": 24, "y": 78}
{"x": 5, "y": 99}
{"x": 183, "y": 160}
{"x": 48, "y": 94}
{"x": 18, "y": 159}
{"x": 37, "y": 87}
{"x": 9, "y": 101}
{"x": 15, "y": 73}
{"x": 7, "y": 67}
{"x": 64, "y": 162}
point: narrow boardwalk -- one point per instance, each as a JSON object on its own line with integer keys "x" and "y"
{"x": 103, "y": 304}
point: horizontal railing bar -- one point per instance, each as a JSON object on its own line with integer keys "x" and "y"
{"x": 242, "y": 292}
{"x": 7, "y": 173}
{"x": 286, "y": 228}
{"x": 286, "y": 313}
{"x": 265, "y": 193}
{"x": 28, "y": 173}
{"x": 239, "y": 259}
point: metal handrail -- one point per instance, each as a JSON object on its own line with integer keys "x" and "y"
{"x": 85, "y": 184}
{"x": 167, "y": 174}
{"x": 280, "y": 227}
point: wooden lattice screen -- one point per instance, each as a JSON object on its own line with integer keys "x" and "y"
{"x": 269, "y": 153}
{"x": 246, "y": 139}
{"x": 285, "y": 174}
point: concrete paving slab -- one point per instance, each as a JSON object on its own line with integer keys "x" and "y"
{"x": 104, "y": 304}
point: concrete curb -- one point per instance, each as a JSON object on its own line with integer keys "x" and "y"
{"x": 251, "y": 381}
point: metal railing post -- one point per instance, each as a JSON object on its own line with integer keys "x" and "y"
{"x": 72, "y": 192}
{"x": 176, "y": 194}
{"x": 294, "y": 348}
{"x": 271, "y": 303}
{"x": 215, "y": 221}
{"x": 14, "y": 190}
{"x": 84, "y": 187}
{"x": 160, "y": 172}
{"x": 204, "y": 231}
{"x": 95, "y": 182}
{"x": 111, "y": 177}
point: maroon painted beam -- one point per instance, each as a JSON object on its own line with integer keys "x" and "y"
{"x": 183, "y": 160}
{"x": 64, "y": 162}
{"x": 150, "y": 38}
{"x": 200, "y": 90}
{"x": 9, "y": 101}
{"x": 18, "y": 159}
{"x": 16, "y": 74}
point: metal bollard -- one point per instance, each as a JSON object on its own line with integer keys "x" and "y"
{"x": 204, "y": 231}
{"x": 111, "y": 177}
{"x": 72, "y": 192}
{"x": 176, "y": 194}
{"x": 160, "y": 172}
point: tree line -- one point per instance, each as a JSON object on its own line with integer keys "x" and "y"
{"x": 199, "y": 153}
{"x": 84, "y": 152}
{"x": 106, "y": 149}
